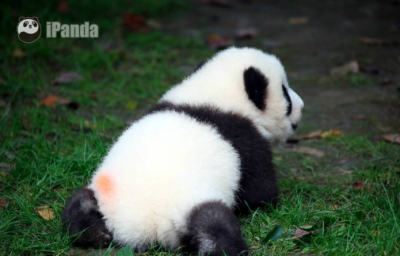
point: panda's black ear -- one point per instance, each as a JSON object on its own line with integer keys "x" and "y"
{"x": 35, "y": 18}
{"x": 256, "y": 87}
{"x": 21, "y": 19}
{"x": 199, "y": 66}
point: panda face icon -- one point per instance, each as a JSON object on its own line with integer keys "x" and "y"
{"x": 28, "y": 29}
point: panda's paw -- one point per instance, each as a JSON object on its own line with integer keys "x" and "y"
{"x": 83, "y": 220}
{"x": 214, "y": 230}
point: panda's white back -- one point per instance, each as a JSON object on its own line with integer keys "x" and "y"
{"x": 157, "y": 171}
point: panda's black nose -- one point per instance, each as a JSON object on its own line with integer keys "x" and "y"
{"x": 294, "y": 126}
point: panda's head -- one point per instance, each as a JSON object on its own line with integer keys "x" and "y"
{"x": 245, "y": 81}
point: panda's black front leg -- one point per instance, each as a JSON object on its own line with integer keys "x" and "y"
{"x": 82, "y": 218}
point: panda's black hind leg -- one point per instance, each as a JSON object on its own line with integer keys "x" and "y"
{"x": 214, "y": 230}
{"x": 82, "y": 218}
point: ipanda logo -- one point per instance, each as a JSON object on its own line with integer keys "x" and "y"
{"x": 85, "y": 30}
{"x": 29, "y": 30}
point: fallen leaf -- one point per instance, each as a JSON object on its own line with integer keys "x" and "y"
{"x": 217, "y": 42}
{"x": 6, "y": 168}
{"x": 51, "y": 101}
{"x": 67, "y": 78}
{"x": 3, "y": 203}
{"x": 378, "y": 41}
{"x": 300, "y": 232}
{"x": 218, "y": 3}
{"x": 350, "y": 67}
{"x": 340, "y": 172}
{"x": 90, "y": 124}
{"x": 132, "y": 105}
{"x": 331, "y": 133}
{"x": 19, "y": 53}
{"x": 359, "y": 117}
{"x": 246, "y": 33}
{"x": 385, "y": 81}
{"x": 136, "y": 23}
{"x": 63, "y": 6}
{"x": 375, "y": 233}
{"x": 334, "y": 206}
{"x": 298, "y": 20}
{"x": 308, "y": 151}
{"x": 358, "y": 185}
{"x": 153, "y": 24}
{"x": 318, "y": 134}
{"x": 370, "y": 70}
{"x": 46, "y": 212}
{"x": 395, "y": 138}
{"x": 274, "y": 234}
{"x": 125, "y": 251}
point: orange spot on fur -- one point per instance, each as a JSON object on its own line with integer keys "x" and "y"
{"x": 104, "y": 184}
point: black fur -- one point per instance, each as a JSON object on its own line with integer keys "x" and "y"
{"x": 256, "y": 87}
{"x": 213, "y": 230}
{"x": 288, "y": 100}
{"x": 258, "y": 183}
{"x": 81, "y": 214}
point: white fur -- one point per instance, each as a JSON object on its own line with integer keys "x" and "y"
{"x": 164, "y": 165}
{"x": 30, "y": 28}
{"x": 220, "y": 83}
{"x": 167, "y": 162}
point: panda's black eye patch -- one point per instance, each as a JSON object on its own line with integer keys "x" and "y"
{"x": 25, "y": 23}
{"x": 256, "y": 87}
{"x": 34, "y": 23}
{"x": 288, "y": 100}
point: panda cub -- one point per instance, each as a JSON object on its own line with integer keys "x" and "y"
{"x": 179, "y": 175}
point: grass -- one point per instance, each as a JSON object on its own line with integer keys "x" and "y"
{"x": 47, "y": 153}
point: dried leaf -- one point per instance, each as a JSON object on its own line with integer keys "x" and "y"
{"x": 90, "y": 124}
{"x": 359, "y": 117}
{"x": 136, "y": 23}
{"x": 6, "y": 168}
{"x": 378, "y": 41}
{"x": 3, "y": 203}
{"x": 331, "y": 133}
{"x": 308, "y": 151}
{"x": 218, "y": 3}
{"x": 351, "y": 67}
{"x": 386, "y": 81}
{"x": 19, "y": 53}
{"x": 298, "y": 21}
{"x": 358, "y": 185}
{"x": 370, "y": 70}
{"x": 132, "y": 105}
{"x": 51, "y": 101}
{"x": 300, "y": 232}
{"x": 395, "y": 138}
{"x": 246, "y": 33}
{"x": 67, "y": 78}
{"x": 46, "y": 212}
{"x": 153, "y": 24}
{"x": 63, "y": 6}
{"x": 375, "y": 233}
{"x": 334, "y": 206}
{"x": 340, "y": 172}
{"x": 218, "y": 42}
{"x": 318, "y": 134}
